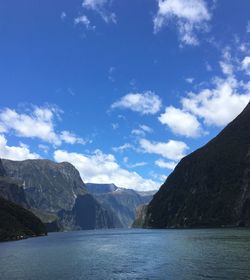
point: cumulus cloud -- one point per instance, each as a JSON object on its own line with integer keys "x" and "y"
{"x": 144, "y": 103}
{"x": 103, "y": 168}
{"x": 100, "y": 6}
{"x": 166, "y": 164}
{"x": 181, "y": 122}
{"x": 190, "y": 16}
{"x": 83, "y": 19}
{"x": 214, "y": 105}
{"x": 218, "y": 105}
{"x": 20, "y": 152}
{"x": 173, "y": 150}
{"x": 38, "y": 123}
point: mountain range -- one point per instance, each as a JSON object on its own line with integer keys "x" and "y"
{"x": 122, "y": 202}
{"x": 55, "y": 193}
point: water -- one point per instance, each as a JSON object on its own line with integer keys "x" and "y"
{"x": 129, "y": 254}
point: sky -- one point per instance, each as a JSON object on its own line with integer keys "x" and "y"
{"x": 123, "y": 90}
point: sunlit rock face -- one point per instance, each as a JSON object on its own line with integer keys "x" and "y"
{"x": 211, "y": 186}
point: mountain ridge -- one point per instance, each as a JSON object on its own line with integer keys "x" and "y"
{"x": 211, "y": 186}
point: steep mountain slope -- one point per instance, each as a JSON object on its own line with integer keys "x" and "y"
{"x": 122, "y": 202}
{"x": 15, "y": 221}
{"x": 211, "y": 186}
{"x": 48, "y": 185}
{"x": 56, "y": 193}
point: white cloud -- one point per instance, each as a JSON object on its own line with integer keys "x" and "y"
{"x": 20, "y": 152}
{"x": 63, "y": 16}
{"x": 246, "y": 65}
{"x": 226, "y": 63}
{"x": 138, "y": 132}
{"x": 142, "y": 130}
{"x": 218, "y": 105}
{"x": 84, "y": 21}
{"x": 123, "y": 148}
{"x": 103, "y": 168}
{"x": 100, "y": 6}
{"x": 181, "y": 122}
{"x": 71, "y": 138}
{"x": 173, "y": 150}
{"x": 44, "y": 148}
{"x": 133, "y": 165}
{"x": 163, "y": 164}
{"x": 145, "y": 103}
{"x": 190, "y": 80}
{"x": 115, "y": 126}
{"x": 38, "y": 123}
{"x": 146, "y": 128}
{"x": 190, "y": 16}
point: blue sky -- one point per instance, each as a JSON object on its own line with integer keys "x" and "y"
{"x": 121, "y": 89}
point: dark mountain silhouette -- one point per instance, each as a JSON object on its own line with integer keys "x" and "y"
{"x": 211, "y": 186}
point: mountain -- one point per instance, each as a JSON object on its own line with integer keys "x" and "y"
{"x": 211, "y": 186}
{"x": 140, "y": 217}
{"x": 122, "y": 202}
{"x": 48, "y": 185}
{"x": 101, "y": 188}
{"x": 15, "y": 221}
{"x": 56, "y": 194}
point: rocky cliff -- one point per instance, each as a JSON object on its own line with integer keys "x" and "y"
{"x": 15, "y": 221}
{"x": 121, "y": 202}
{"x": 56, "y": 193}
{"x": 211, "y": 186}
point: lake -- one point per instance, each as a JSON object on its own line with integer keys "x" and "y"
{"x": 129, "y": 254}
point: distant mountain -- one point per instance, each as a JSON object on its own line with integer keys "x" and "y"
{"x": 56, "y": 193}
{"x": 211, "y": 186}
{"x": 15, "y": 221}
{"x": 101, "y": 188}
{"x": 122, "y": 202}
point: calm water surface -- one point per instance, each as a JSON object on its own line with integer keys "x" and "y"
{"x": 129, "y": 254}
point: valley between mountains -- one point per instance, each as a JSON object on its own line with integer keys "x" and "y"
{"x": 208, "y": 188}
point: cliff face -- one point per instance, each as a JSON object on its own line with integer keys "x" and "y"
{"x": 211, "y": 186}
{"x": 55, "y": 193}
{"x": 121, "y": 202}
{"x": 15, "y": 221}
{"x": 140, "y": 218}
{"x": 48, "y": 185}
